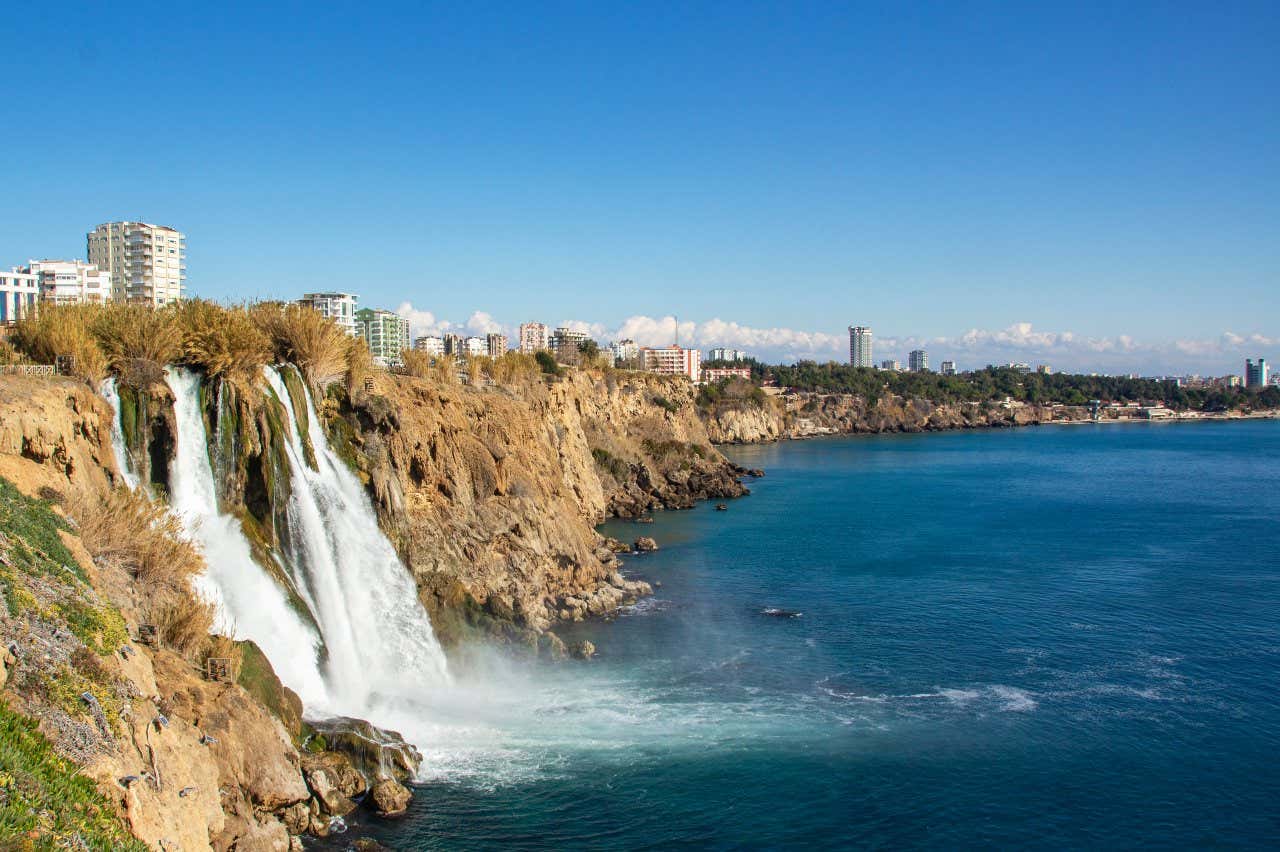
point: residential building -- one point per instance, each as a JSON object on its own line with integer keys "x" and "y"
{"x": 19, "y": 293}
{"x": 533, "y": 337}
{"x": 453, "y": 345}
{"x": 1044, "y": 369}
{"x": 918, "y": 361}
{"x": 474, "y": 346}
{"x": 726, "y": 355}
{"x": 146, "y": 263}
{"x": 860, "y": 346}
{"x": 70, "y": 282}
{"x": 1255, "y": 374}
{"x": 715, "y": 374}
{"x": 430, "y": 344}
{"x": 624, "y": 351}
{"x": 565, "y": 343}
{"x": 672, "y": 361}
{"x": 947, "y": 368}
{"x": 339, "y": 307}
{"x": 891, "y": 364}
{"x": 495, "y": 344}
{"x": 1019, "y": 367}
{"x": 387, "y": 334}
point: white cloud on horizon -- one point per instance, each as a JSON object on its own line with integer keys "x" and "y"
{"x": 1020, "y": 341}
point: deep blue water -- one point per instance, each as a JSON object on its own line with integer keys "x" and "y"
{"x": 1054, "y": 637}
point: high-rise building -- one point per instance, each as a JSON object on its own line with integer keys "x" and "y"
{"x": 672, "y": 361}
{"x": 474, "y": 346}
{"x": 1255, "y": 375}
{"x": 726, "y": 355}
{"x": 947, "y": 368}
{"x": 70, "y": 282}
{"x": 918, "y": 361}
{"x": 386, "y": 333}
{"x": 860, "y": 346}
{"x": 146, "y": 263}
{"x": 892, "y": 364}
{"x": 533, "y": 337}
{"x": 430, "y": 344}
{"x": 453, "y": 345}
{"x": 565, "y": 342}
{"x": 339, "y": 307}
{"x": 19, "y": 293}
{"x": 496, "y": 344}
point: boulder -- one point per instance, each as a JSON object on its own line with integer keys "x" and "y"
{"x": 584, "y": 650}
{"x": 373, "y": 752}
{"x": 390, "y": 798}
{"x": 645, "y": 544}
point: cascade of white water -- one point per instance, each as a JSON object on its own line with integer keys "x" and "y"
{"x": 124, "y": 462}
{"x": 382, "y": 651}
{"x": 249, "y": 602}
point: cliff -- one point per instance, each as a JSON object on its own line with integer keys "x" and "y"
{"x": 805, "y": 415}
{"x": 492, "y": 493}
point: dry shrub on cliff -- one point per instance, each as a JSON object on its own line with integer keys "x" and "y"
{"x": 359, "y": 363}
{"x": 222, "y": 340}
{"x": 58, "y": 330}
{"x": 128, "y": 333}
{"x": 301, "y": 335}
{"x": 147, "y": 540}
{"x": 416, "y": 364}
{"x": 514, "y": 367}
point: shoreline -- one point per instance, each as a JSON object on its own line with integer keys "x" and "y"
{"x": 1216, "y": 417}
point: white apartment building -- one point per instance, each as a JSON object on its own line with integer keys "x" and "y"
{"x": 918, "y": 361}
{"x": 624, "y": 351}
{"x": 947, "y": 368}
{"x": 339, "y": 307}
{"x": 70, "y": 282}
{"x": 672, "y": 361}
{"x": 533, "y": 337}
{"x": 473, "y": 346}
{"x": 891, "y": 364}
{"x": 387, "y": 334}
{"x": 496, "y": 344}
{"x": 726, "y": 355}
{"x": 19, "y": 293}
{"x": 431, "y": 344}
{"x": 860, "y": 346}
{"x": 146, "y": 263}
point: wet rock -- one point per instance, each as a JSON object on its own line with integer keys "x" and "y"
{"x": 645, "y": 544}
{"x": 334, "y": 782}
{"x": 390, "y": 798}
{"x": 553, "y": 646}
{"x": 373, "y": 752}
{"x": 584, "y": 650}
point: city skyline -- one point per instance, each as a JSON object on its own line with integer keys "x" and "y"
{"x": 1086, "y": 185}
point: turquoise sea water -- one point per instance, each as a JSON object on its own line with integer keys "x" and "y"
{"x": 1054, "y": 637}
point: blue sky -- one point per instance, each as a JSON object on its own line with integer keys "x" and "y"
{"x": 1093, "y": 184}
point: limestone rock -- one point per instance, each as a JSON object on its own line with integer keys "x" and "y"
{"x": 645, "y": 544}
{"x": 390, "y": 798}
{"x": 584, "y": 650}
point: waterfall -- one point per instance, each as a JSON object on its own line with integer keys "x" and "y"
{"x": 124, "y": 461}
{"x": 250, "y": 604}
{"x": 381, "y": 650}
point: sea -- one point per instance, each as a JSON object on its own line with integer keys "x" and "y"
{"x": 1048, "y": 637}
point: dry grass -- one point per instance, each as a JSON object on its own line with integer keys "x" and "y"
{"x": 147, "y": 540}
{"x": 416, "y": 364}
{"x": 222, "y": 340}
{"x": 299, "y": 334}
{"x": 514, "y": 367}
{"x": 58, "y": 330}
{"x": 359, "y": 363}
{"x": 128, "y": 333}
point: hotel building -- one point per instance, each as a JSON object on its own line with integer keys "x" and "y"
{"x": 860, "y": 346}
{"x": 672, "y": 361}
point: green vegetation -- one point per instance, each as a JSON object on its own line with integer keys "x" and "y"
{"x": 730, "y": 393}
{"x": 993, "y": 384}
{"x": 616, "y": 467}
{"x": 34, "y": 552}
{"x": 664, "y": 403}
{"x": 45, "y": 803}
{"x": 547, "y": 363}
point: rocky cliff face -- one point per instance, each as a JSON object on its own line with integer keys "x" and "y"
{"x": 804, "y": 415}
{"x": 492, "y": 493}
